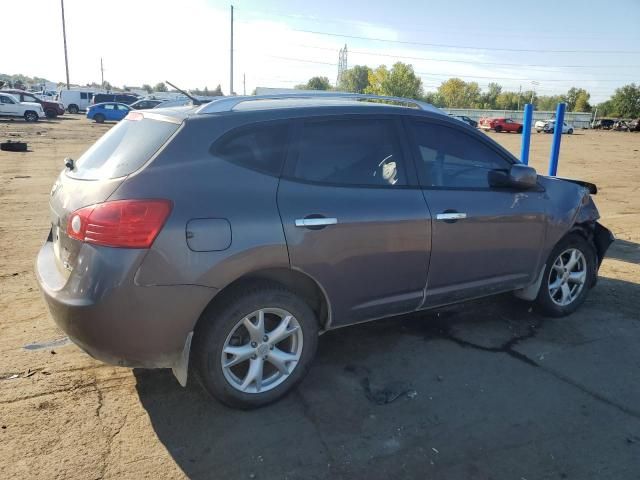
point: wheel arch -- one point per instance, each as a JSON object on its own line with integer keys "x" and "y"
{"x": 297, "y": 282}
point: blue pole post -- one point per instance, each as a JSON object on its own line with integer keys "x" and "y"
{"x": 557, "y": 136}
{"x": 526, "y": 133}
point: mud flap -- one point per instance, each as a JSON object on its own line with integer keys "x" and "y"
{"x": 181, "y": 368}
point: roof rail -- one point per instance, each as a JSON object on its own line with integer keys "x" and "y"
{"x": 227, "y": 104}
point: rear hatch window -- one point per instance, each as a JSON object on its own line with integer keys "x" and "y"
{"x": 123, "y": 149}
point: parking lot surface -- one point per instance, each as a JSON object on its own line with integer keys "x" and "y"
{"x": 483, "y": 390}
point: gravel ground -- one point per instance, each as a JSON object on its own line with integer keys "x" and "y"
{"x": 482, "y": 390}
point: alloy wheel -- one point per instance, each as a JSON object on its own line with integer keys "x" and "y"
{"x": 262, "y": 350}
{"x": 567, "y": 277}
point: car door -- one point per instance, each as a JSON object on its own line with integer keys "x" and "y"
{"x": 354, "y": 217}
{"x": 109, "y": 111}
{"x": 484, "y": 240}
{"x": 8, "y": 106}
{"x": 121, "y": 111}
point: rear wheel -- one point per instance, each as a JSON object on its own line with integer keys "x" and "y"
{"x": 498, "y": 129}
{"x": 50, "y": 113}
{"x": 255, "y": 347}
{"x": 568, "y": 276}
{"x": 570, "y": 131}
{"x": 73, "y": 109}
{"x": 99, "y": 118}
{"x": 31, "y": 116}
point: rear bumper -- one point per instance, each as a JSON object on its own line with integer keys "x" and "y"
{"x": 105, "y": 313}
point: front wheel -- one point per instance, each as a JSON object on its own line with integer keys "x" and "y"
{"x": 519, "y": 130}
{"x": 498, "y": 129}
{"x": 256, "y": 347}
{"x": 31, "y": 116}
{"x": 570, "y": 131}
{"x": 50, "y": 113}
{"x": 568, "y": 276}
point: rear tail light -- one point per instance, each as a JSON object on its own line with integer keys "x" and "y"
{"x": 120, "y": 223}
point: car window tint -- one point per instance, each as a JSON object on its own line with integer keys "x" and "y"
{"x": 350, "y": 152}
{"x": 258, "y": 147}
{"x": 451, "y": 158}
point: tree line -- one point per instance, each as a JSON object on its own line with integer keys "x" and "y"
{"x": 401, "y": 81}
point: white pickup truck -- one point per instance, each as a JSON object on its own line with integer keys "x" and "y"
{"x": 10, "y": 106}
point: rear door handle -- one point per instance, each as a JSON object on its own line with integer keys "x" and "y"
{"x": 315, "y": 222}
{"x": 451, "y": 216}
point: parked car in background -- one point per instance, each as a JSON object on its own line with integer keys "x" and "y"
{"x": 125, "y": 98}
{"x": 75, "y": 100}
{"x": 634, "y": 125}
{"x": 146, "y": 104}
{"x": 500, "y": 125}
{"x": 603, "y": 124}
{"x": 548, "y": 126}
{"x": 465, "y": 119}
{"x": 51, "y": 109}
{"x": 224, "y": 238}
{"x": 11, "y": 106}
{"x": 109, "y": 111}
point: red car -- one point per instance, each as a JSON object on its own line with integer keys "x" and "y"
{"x": 500, "y": 125}
{"x": 51, "y": 109}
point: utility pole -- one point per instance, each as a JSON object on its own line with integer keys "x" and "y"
{"x": 64, "y": 37}
{"x": 519, "y": 95}
{"x": 244, "y": 83}
{"x": 101, "y": 73}
{"x": 231, "y": 57}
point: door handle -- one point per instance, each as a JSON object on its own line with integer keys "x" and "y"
{"x": 315, "y": 222}
{"x": 451, "y": 216}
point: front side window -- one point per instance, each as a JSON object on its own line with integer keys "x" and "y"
{"x": 259, "y": 147}
{"x": 83, "y": 95}
{"x": 451, "y": 158}
{"x": 361, "y": 152}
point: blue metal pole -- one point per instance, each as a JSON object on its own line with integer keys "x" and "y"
{"x": 557, "y": 136}
{"x": 526, "y": 133}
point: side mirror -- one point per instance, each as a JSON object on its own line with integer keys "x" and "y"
{"x": 519, "y": 176}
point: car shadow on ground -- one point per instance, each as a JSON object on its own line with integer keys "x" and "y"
{"x": 361, "y": 386}
{"x": 625, "y": 250}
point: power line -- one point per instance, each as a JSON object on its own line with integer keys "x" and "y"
{"x": 467, "y": 47}
{"x": 374, "y": 54}
{"x": 304, "y": 60}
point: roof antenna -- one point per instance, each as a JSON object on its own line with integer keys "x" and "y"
{"x": 193, "y": 99}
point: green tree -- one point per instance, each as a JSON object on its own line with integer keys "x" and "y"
{"x": 160, "y": 87}
{"x": 625, "y": 101}
{"x": 316, "y": 83}
{"x": 548, "y": 103}
{"x": 217, "y": 92}
{"x": 400, "y": 81}
{"x": 355, "y": 79}
{"x": 457, "y": 93}
{"x": 489, "y": 98}
{"x": 573, "y": 96}
{"x": 147, "y": 88}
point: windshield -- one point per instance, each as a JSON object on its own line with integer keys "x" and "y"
{"x": 123, "y": 149}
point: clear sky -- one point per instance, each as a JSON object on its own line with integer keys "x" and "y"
{"x": 278, "y": 43}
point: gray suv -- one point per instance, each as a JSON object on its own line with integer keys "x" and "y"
{"x": 224, "y": 238}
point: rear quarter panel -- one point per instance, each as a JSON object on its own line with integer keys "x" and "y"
{"x": 202, "y": 186}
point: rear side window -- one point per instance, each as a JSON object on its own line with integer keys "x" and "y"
{"x": 123, "y": 149}
{"x": 359, "y": 152}
{"x": 449, "y": 157}
{"x": 83, "y": 95}
{"x": 259, "y": 147}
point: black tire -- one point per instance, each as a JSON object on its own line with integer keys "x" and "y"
{"x": 220, "y": 321}
{"x": 519, "y": 129}
{"x": 73, "y": 109}
{"x": 99, "y": 118}
{"x": 544, "y": 301}
{"x": 498, "y": 129}
{"x": 50, "y": 113}
{"x": 30, "y": 116}
{"x": 570, "y": 131}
